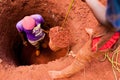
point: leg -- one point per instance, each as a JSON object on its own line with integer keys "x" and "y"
{"x": 45, "y": 41}
{"x": 37, "y": 51}
{"x": 98, "y": 9}
{"x": 36, "y": 44}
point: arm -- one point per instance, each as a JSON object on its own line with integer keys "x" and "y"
{"x": 23, "y": 38}
{"x": 98, "y": 9}
{"x": 21, "y": 32}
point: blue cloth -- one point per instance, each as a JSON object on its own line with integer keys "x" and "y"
{"x": 113, "y": 13}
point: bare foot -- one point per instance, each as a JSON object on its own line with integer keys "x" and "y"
{"x": 37, "y": 53}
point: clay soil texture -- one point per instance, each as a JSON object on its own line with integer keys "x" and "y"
{"x": 19, "y": 63}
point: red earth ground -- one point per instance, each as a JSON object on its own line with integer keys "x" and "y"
{"x": 54, "y": 12}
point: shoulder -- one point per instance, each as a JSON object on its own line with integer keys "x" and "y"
{"x": 19, "y": 23}
{"x": 38, "y": 18}
{"x": 19, "y": 26}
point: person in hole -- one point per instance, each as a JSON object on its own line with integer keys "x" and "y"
{"x": 30, "y": 31}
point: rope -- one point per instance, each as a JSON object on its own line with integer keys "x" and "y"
{"x": 114, "y": 61}
{"x": 70, "y": 7}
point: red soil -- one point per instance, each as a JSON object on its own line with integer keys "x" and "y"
{"x": 79, "y": 18}
{"x": 60, "y": 36}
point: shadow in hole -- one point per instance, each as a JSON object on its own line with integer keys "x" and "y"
{"x": 29, "y": 57}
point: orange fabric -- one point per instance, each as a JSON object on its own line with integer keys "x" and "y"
{"x": 108, "y": 44}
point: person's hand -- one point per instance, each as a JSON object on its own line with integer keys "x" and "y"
{"x": 25, "y": 43}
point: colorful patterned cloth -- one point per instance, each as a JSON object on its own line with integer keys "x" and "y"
{"x": 109, "y": 44}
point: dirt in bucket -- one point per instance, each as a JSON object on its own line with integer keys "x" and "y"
{"x": 59, "y": 37}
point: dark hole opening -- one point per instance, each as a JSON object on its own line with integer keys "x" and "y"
{"x": 11, "y": 42}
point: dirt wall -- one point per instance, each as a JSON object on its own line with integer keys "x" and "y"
{"x": 53, "y": 11}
